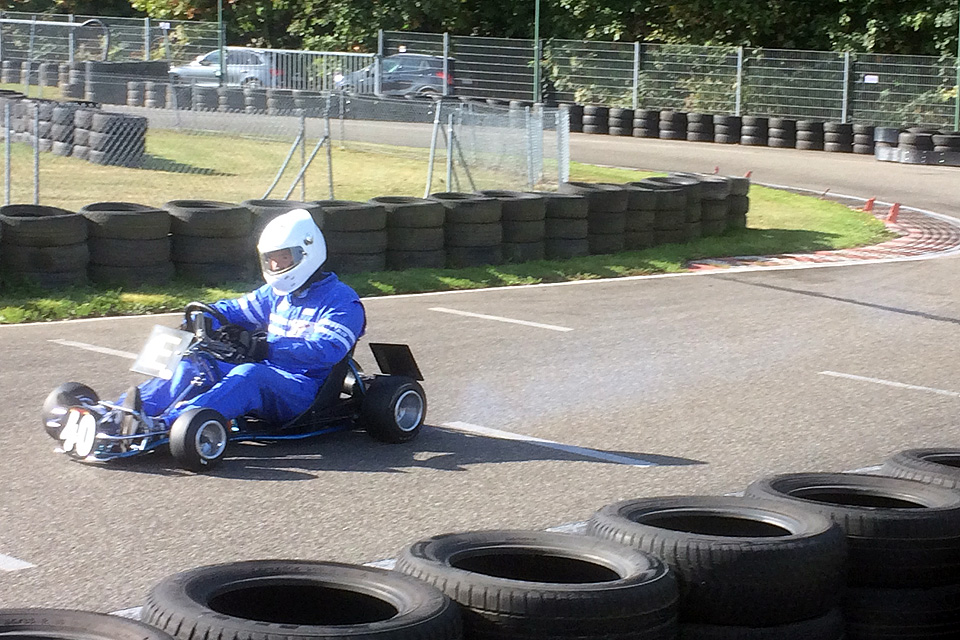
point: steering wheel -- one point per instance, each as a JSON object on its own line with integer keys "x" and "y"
{"x": 229, "y": 342}
{"x": 202, "y": 307}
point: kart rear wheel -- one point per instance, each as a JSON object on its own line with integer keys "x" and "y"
{"x": 69, "y": 394}
{"x": 393, "y": 409}
{"x": 198, "y": 439}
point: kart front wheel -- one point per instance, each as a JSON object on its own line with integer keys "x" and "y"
{"x": 393, "y": 409}
{"x": 198, "y": 439}
{"x": 60, "y": 400}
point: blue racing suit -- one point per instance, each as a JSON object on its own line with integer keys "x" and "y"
{"x": 308, "y": 332}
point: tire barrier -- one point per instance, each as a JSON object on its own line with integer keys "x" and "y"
{"x": 596, "y": 119}
{"x": 203, "y": 98}
{"x": 782, "y": 133}
{"x": 809, "y": 135}
{"x": 903, "y": 537}
{"x": 693, "y": 210}
{"x": 529, "y": 584}
{"x": 135, "y": 93}
{"x": 117, "y": 139}
{"x": 129, "y": 244}
{"x": 154, "y": 95}
{"x": 266, "y": 210}
{"x": 670, "y": 215}
{"x": 673, "y": 125}
{"x": 576, "y": 117}
{"x": 838, "y": 137}
{"x": 639, "y": 217}
{"x": 607, "y": 214}
{"x": 68, "y": 624}
{"x": 938, "y": 466}
{"x": 211, "y": 241}
{"x": 700, "y": 127}
{"x": 280, "y": 102}
{"x": 863, "y": 139}
{"x": 727, "y": 129}
{"x": 620, "y": 121}
{"x": 44, "y": 245}
{"x": 523, "y": 218}
{"x": 740, "y": 562}
{"x": 715, "y": 205}
{"x": 356, "y": 235}
{"x": 754, "y": 131}
{"x": 646, "y": 123}
{"x": 738, "y": 202}
{"x": 286, "y": 599}
{"x": 565, "y": 226}
{"x": 230, "y": 99}
{"x": 254, "y": 100}
{"x": 472, "y": 228}
{"x": 415, "y": 235}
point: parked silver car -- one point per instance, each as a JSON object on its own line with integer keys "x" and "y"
{"x": 245, "y": 68}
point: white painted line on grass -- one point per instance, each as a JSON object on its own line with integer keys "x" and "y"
{"x": 95, "y": 348}
{"x": 538, "y": 325}
{"x": 473, "y": 429}
{"x": 12, "y": 564}
{"x": 891, "y": 383}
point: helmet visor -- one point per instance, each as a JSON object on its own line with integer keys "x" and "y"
{"x": 281, "y": 260}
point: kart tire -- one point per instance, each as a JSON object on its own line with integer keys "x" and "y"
{"x": 933, "y": 466}
{"x": 299, "y": 600}
{"x": 393, "y": 409}
{"x": 198, "y": 439}
{"x": 69, "y": 394}
{"x": 67, "y": 624}
{"x": 536, "y": 584}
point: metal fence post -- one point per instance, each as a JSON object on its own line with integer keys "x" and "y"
{"x": 378, "y": 64}
{"x": 146, "y": 39}
{"x": 450, "y": 152}
{"x": 528, "y": 130}
{"x": 739, "y": 89}
{"x": 303, "y": 154}
{"x": 36, "y": 153}
{"x": 71, "y": 42}
{"x": 636, "y": 74}
{"x": 326, "y": 134}
{"x": 845, "y": 107}
{"x": 446, "y": 57}
{"x": 433, "y": 148}
{"x": 6, "y": 153}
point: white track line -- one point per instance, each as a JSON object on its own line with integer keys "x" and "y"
{"x": 95, "y": 348}
{"x": 890, "y": 383}
{"x": 464, "y": 427}
{"x": 538, "y": 325}
{"x": 12, "y": 564}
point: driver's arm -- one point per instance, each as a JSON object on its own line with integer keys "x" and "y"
{"x": 324, "y": 342}
{"x": 250, "y": 311}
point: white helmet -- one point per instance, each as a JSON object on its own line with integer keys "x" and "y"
{"x": 291, "y": 250}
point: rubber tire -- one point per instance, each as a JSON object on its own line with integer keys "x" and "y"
{"x": 30, "y": 225}
{"x": 566, "y": 206}
{"x": 67, "y": 624}
{"x": 183, "y": 439}
{"x": 468, "y": 208}
{"x": 523, "y": 232}
{"x": 601, "y": 196}
{"x": 605, "y": 243}
{"x": 68, "y": 394}
{"x": 125, "y": 221}
{"x": 404, "y": 211}
{"x": 347, "y": 215}
{"x": 566, "y": 248}
{"x": 275, "y": 599}
{"x": 518, "y": 206}
{"x": 415, "y": 239}
{"x": 826, "y": 627}
{"x": 889, "y": 546}
{"x": 160, "y": 273}
{"x": 358, "y": 242}
{"x": 778, "y": 565}
{"x": 403, "y": 260}
{"x": 566, "y": 228}
{"x": 71, "y": 257}
{"x": 547, "y": 585}
{"x": 377, "y": 410}
{"x": 356, "y": 262}
{"x": 194, "y": 249}
{"x": 902, "y": 614}
{"x": 113, "y": 252}
{"x": 209, "y": 219}
{"x": 638, "y": 221}
{"x": 463, "y": 257}
{"x": 939, "y": 466}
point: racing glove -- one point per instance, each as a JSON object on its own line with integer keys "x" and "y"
{"x": 259, "y": 348}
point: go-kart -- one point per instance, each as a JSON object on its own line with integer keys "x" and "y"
{"x": 390, "y": 406}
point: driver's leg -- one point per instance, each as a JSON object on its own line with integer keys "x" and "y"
{"x": 157, "y": 394}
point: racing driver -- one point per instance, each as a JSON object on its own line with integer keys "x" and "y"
{"x": 305, "y": 320}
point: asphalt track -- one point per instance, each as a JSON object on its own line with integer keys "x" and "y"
{"x": 647, "y": 386}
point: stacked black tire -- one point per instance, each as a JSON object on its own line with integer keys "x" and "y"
{"x": 565, "y": 226}
{"x": 230, "y": 99}
{"x": 523, "y": 218}
{"x": 414, "y": 232}
{"x": 755, "y": 131}
{"x": 204, "y": 98}
{"x": 473, "y": 230}
{"x": 154, "y": 95}
{"x": 646, "y": 123}
{"x": 596, "y": 119}
{"x": 36, "y": 122}
{"x": 715, "y": 205}
{"x": 620, "y": 121}
{"x": 863, "y": 142}
{"x": 82, "y": 124}
{"x": 280, "y": 102}
{"x": 838, "y": 137}
{"x": 916, "y": 139}
{"x": 254, "y": 100}
{"x": 266, "y": 210}
{"x": 670, "y": 215}
{"x": 673, "y": 125}
{"x": 727, "y": 129}
{"x": 606, "y": 218}
{"x": 782, "y": 133}
{"x": 129, "y": 244}
{"x": 63, "y": 128}
{"x": 44, "y": 245}
{"x": 946, "y": 141}
{"x": 212, "y": 241}
{"x": 135, "y": 91}
{"x": 810, "y": 135}
{"x": 639, "y": 217}
{"x": 738, "y": 203}
{"x": 700, "y": 127}
{"x": 525, "y": 585}
{"x": 903, "y": 567}
{"x": 117, "y": 139}
{"x": 885, "y": 139}
{"x": 691, "y": 191}
{"x": 746, "y": 568}
{"x": 576, "y": 117}
{"x": 356, "y": 235}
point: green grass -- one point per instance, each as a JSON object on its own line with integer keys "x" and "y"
{"x": 230, "y": 169}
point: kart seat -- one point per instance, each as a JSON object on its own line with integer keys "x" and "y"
{"x": 327, "y": 395}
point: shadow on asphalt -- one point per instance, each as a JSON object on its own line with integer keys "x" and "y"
{"x": 156, "y": 163}
{"x": 861, "y": 303}
{"x": 356, "y": 452}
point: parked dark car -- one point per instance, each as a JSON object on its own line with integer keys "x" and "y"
{"x": 402, "y": 74}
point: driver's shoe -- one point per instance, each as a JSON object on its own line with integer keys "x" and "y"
{"x": 130, "y": 422}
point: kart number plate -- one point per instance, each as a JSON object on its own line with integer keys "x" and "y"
{"x": 79, "y": 432}
{"x": 162, "y": 352}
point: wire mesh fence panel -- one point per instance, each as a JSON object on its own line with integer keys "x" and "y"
{"x": 688, "y": 78}
{"x": 589, "y": 72}
{"x": 894, "y": 90}
{"x": 497, "y": 68}
{"x": 794, "y": 84}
